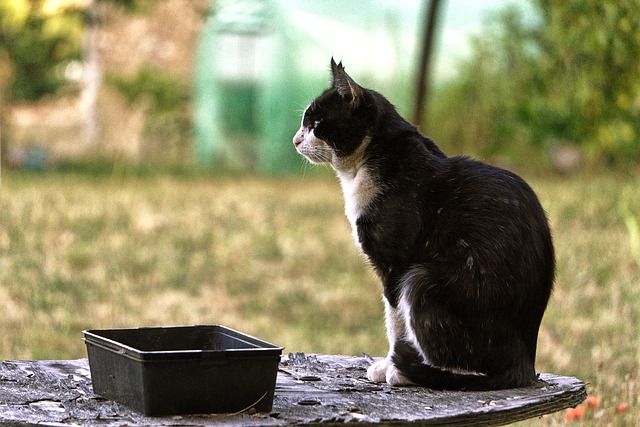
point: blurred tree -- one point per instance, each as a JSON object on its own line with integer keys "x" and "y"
{"x": 39, "y": 37}
{"x": 481, "y": 111}
{"x": 566, "y": 73}
{"x": 589, "y": 65}
{"x": 38, "y": 41}
{"x": 167, "y": 100}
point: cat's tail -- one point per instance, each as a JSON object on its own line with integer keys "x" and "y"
{"x": 410, "y": 364}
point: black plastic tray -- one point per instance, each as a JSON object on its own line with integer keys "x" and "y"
{"x": 183, "y": 369}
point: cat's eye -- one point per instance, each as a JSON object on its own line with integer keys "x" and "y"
{"x": 316, "y": 123}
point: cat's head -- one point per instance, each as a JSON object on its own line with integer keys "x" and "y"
{"x": 338, "y": 124}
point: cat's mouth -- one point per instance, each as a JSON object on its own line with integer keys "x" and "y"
{"x": 298, "y": 138}
{"x": 312, "y": 148}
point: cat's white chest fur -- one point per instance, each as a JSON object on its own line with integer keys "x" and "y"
{"x": 359, "y": 190}
{"x": 358, "y": 185}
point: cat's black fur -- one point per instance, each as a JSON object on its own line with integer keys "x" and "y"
{"x": 463, "y": 249}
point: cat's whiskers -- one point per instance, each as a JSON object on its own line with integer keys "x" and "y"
{"x": 300, "y": 109}
{"x": 319, "y": 153}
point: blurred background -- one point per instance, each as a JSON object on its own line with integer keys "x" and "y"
{"x": 148, "y": 176}
{"x": 220, "y": 84}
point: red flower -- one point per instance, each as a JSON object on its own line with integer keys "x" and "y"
{"x": 623, "y": 407}
{"x": 592, "y": 402}
{"x": 575, "y": 413}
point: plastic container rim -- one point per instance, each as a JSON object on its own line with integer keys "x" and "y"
{"x": 262, "y": 348}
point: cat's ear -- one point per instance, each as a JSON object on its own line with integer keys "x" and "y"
{"x": 348, "y": 89}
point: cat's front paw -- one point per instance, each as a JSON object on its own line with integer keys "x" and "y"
{"x": 377, "y": 372}
{"x": 385, "y": 371}
{"x": 395, "y": 377}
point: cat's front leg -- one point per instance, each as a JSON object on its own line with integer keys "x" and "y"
{"x": 384, "y": 370}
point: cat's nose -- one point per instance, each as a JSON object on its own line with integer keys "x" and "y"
{"x": 298, "y": 138}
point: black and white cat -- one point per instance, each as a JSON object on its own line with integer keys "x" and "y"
{"x": 463, "y": 249}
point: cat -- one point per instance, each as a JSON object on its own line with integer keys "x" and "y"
{"x": 463, "y": 249}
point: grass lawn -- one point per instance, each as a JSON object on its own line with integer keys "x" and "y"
{"x": 275, "y": 258}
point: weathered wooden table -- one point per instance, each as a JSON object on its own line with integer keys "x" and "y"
{"x": 310, "y": 390}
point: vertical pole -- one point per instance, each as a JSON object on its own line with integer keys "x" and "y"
{"x": 92, "y": 74}
{"x": 425, "y": 60}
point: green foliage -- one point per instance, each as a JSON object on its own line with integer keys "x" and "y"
{"x": 480, "y": 111}
{"x": 168, "y": 124}
{"x": 592, "y": 48}
{"x": 127, "y": 5}
{"x": 38, "y": 45}
{"x": 39, "y": 42}
{"x": 568, "y": 75}
{"x": 166, "y": 92}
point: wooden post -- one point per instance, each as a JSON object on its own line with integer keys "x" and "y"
{"x": 422, "y": 86}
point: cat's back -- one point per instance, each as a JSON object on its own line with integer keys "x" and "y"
{"x": 473, "y": 187}
{"x": 492, "y": 215}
